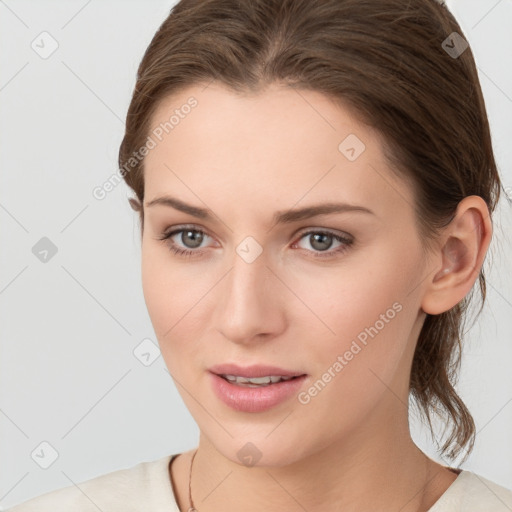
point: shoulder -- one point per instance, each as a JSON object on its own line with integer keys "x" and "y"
{"x": 486, "y": 495}
{"x": 124, "y": 490}
{"x": 471, "y": 492}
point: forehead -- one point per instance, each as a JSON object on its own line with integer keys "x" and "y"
{"x": 277, "y": 147}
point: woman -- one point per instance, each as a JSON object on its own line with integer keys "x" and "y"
{"x": 315, "y": 183}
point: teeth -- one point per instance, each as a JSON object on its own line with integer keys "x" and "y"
{"x": 256, "y": 381}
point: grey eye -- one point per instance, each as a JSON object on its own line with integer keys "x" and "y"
{"x": 321, "y": 241}
{"x": 196, "y": 238}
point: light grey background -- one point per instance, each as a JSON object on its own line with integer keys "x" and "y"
{"x": 68, "y": 374}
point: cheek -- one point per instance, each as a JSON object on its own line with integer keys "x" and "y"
{"x": 175, "y": 296}
{"x": 358, "y": 320}
{"x": 364, "y": 312}
{"x": 354, "y": 368}
{"x": 155, "y": 289}
{"x": 163, "y": 289}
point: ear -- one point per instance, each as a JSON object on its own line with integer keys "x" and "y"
{"x": 464, "y": 243}
{"x": 134, "y": 203}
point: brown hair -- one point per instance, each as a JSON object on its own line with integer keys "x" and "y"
{"x": 385, "y": 59}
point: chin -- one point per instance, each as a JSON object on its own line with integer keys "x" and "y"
{"x": 261, "y": 449}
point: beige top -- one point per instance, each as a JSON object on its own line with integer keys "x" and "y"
{"x": 147, "y": 487}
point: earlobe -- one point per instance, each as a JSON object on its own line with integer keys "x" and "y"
{"x": 464, "y": 244}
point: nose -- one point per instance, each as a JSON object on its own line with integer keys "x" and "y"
{"x": 250, "y": 302}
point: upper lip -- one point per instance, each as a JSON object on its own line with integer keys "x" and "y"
{"x": 257, "y": 370}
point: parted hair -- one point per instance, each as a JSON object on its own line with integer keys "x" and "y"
{"x": 390, "y": 62}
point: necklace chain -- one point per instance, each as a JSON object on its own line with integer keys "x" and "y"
{"x": 192, "y": 507}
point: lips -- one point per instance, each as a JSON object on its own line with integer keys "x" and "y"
{"x": 253, "y": 371}
{"x": 255, "y": 399}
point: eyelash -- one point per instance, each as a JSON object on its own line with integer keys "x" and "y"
{"x": 188, "y": 253}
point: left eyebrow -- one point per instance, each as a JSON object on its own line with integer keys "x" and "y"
{"x": 279, "y": 217}
{"x": 287, "y": 216}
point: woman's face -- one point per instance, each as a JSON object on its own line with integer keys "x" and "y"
{"x": 345, "y": 312}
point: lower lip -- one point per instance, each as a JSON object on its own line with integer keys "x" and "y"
{"x": 246, "y": 399}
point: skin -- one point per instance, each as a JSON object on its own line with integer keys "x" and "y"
{"x": 245, "y": 157}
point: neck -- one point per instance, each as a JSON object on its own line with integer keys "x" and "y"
{"x": 376, "y": 464}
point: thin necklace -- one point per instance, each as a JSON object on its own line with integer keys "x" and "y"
{"x": 192, "y": 507}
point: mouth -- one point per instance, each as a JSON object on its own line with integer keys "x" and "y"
{"x": 255, "y": 388}
{"x": 257, "y": 382}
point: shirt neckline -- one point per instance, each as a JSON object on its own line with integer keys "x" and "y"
{"x": 170, "y": 497}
